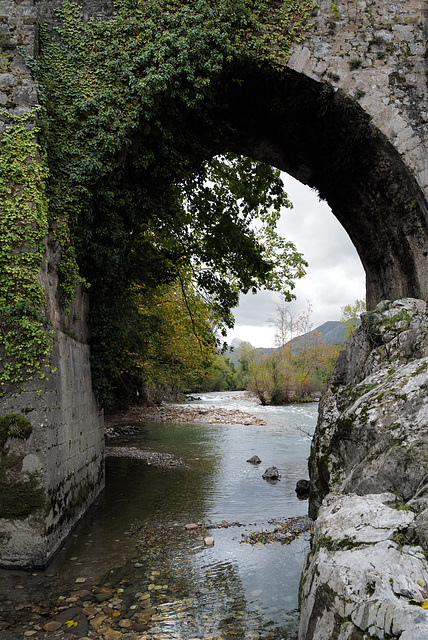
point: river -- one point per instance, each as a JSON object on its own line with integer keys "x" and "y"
{"x": 164, "y": 581}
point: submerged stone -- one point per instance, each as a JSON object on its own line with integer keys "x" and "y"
{"x": 302, "y": 487}
{"x": 271, "y": 473}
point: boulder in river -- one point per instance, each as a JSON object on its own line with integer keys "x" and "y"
{"x": 271, "y": 474}
{"x": 254, "y": 460}
{"x": 302, "y": 487}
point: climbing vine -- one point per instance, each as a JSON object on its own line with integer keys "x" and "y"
{"x": 24, "y": 338}
{"x": 129, "y": 127}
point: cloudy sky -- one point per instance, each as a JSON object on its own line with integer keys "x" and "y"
{"x": 335, "y": 276}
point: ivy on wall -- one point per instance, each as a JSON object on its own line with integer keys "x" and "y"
{"x": 24, "y": 337}
{"x": 128, "y": 129}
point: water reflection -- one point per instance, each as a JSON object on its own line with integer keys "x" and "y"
{"x": 171, "y": 585}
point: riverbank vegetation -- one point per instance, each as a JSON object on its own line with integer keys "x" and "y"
{"x": 173, "y": 349}
{"x": 295, "y": 371}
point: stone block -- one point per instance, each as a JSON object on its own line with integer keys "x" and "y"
{"x": 7, "y": 80}
{"x": 299, "y": 58}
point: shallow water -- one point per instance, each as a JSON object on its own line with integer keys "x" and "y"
{"x": 136, "y": 536}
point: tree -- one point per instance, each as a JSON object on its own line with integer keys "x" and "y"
{"x": 132, "y": 124}
{"x": 285, "y": 322}
{"x": 299, "y": 366}
{"x": 245, "y": 355}
{"x": 222, "y": 375}
{"x": 350, "y": 318}
{"x": 170, "y": 345}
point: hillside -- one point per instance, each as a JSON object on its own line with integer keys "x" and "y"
{"x": 332, "y": 331}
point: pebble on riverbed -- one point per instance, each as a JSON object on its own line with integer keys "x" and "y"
{"x": 284, "y": 531}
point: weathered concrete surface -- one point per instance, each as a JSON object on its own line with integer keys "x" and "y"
{"x": 64, "y": 455}
{"x": 367, "y": 575}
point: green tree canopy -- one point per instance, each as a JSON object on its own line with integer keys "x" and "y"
{"x": 130, "y": 131}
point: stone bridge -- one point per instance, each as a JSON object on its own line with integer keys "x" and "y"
{"x": 347, "y": 116}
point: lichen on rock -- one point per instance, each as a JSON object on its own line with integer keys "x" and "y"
{"x": 367, "y": 573}
{"x": 372, "y": 434}
{"x": 358, "y": 582}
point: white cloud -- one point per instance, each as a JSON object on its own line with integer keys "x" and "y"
{"x": 335, "y": 275}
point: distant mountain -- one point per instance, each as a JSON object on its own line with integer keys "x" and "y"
{"x": 332, "y": 331}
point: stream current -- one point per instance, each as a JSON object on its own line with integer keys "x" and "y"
{"x": 134, "y": 543}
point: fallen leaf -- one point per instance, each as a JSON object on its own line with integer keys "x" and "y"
{"x": 70, "y": 623}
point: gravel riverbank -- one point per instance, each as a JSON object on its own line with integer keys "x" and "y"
{"x": 125, "y": 423}
{"x": 199, "y": 414}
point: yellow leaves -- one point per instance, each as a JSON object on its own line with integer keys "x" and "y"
{"x": 425, "y": 605}
{"x": 70, "y": 623}
{"x": 115, "y": 614}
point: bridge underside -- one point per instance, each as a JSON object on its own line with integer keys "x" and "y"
{"x": 327, "y": 141}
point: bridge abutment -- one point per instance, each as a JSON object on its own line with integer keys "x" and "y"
{"x": 50, "y": 478}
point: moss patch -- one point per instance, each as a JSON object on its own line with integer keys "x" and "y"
{"x": 18, "y": 498}
{"x": 15, "y": 426}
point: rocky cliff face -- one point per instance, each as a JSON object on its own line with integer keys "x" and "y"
{"x": 367, "y": 574}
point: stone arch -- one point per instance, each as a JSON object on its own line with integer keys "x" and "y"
{"x": 365, "y": 154}
{"x": 326, "y": 140}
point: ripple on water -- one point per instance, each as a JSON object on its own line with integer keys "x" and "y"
{"x": 174, "y": 587}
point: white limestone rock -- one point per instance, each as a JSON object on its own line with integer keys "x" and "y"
{"x": 367, "y": 574}
{"x": 358, "y": 582}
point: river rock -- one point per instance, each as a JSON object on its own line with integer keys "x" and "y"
{"x": 254, "y": 460}
{"x": 191, "y": 526}
{"x": 302, "y": 487}
{"x": 271, "y": 473}
{"x": 357, "y": 574}
{"x": 52, "y": 625}
{"x": 112, "y": 634}
{"x": 102, "y": 596}
{"x": 369, "y": 486}
{"x": 125, "y": 623}
{"x": 209, "y": 541}
{"x": 373, "y": 418}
